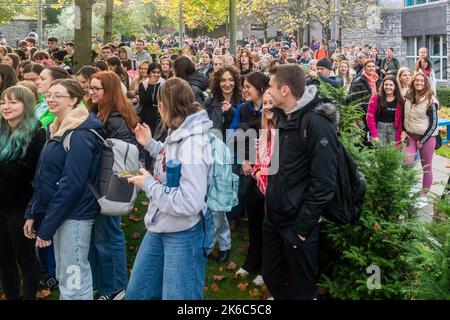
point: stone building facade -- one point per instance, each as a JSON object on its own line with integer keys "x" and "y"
{"x": 385, "y": 32}
{"x": 18, "y": 28}
{"x": 406, "y": 26}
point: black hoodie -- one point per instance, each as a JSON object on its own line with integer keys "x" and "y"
{"x": 305, "y": 182}
{"x": 199, "y": 83}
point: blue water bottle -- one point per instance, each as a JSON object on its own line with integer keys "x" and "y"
{"x": 173, "y": 173}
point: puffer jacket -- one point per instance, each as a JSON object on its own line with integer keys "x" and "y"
{"x": 199, "y": 83}
{"x": 306, "y": 178}
{"x": 115, "y": 127}
{"x": 421, "y": 117}
{"x": 60, "y": 190}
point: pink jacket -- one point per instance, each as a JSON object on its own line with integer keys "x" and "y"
{"x": 372, "y": 114}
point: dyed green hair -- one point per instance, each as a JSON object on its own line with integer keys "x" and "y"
{"x": 14, "y": 143}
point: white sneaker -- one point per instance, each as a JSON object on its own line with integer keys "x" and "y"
{"x": 270, "y": 298}
{"x": 258, "y": 281}
{"x": 422, "y": 202}
{"x": 242, "y": 272}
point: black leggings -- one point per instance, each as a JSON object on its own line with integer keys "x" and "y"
{"x": 14, "y": 246}
{"x": 255, "y": 210}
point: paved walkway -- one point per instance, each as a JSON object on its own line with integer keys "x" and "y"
{"x": 441, "y": 172}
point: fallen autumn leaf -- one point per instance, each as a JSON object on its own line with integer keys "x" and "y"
{"x": 231, "y": 266}
{"x": 214, "y": 287}
{"x": 132, "y": 217}
{"x": 218, "y": 277}
{"x": 242, "y": 286}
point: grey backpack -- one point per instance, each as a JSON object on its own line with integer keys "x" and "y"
{"x": 115, "y": 196}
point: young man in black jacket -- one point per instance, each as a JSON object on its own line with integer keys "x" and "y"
{"x": 302, "y": 186}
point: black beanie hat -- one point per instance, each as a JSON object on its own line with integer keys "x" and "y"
{"x": 325, "y": 63}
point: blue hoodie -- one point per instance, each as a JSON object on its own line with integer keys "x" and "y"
{"x": 60, "y": 190}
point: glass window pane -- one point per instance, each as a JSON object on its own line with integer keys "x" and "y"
{"x": 435, "y": 42}
{"x": 420, "y": 1}
{"x": 410, "y": 50}
{"x": 437, "y": 67}
{"x": 411, "y": 63}
{"x": 444, "y": 70}
{"x": 409, "y": 3}
{"x": 420, "y": 44}
{"x": 444, "y": 45}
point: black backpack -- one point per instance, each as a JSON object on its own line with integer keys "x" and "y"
{"x": 346, "y": 205}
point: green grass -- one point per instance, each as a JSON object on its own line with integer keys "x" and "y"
{"x": 215, "y": 289}
{"x": 444, "y": 151}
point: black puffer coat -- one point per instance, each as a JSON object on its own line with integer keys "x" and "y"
{"x": 116, "y": 128}
{"x": 199, "y": 83}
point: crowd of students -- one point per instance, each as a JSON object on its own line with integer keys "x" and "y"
{"x": 161, "y": 102}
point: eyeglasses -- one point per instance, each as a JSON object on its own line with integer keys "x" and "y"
{"x": 55, "y": 96}
{"x": 95, "y": 89}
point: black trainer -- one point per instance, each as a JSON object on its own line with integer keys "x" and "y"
{"x": 223, "y": 256}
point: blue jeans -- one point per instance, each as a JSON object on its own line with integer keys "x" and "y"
{"x": 108, "y": 255}
{"x": 172, "y": 266}
{"x": 222, "y": 234}
{"x": 73, "y": 271}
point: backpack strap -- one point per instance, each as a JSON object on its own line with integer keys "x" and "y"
{"x": 93, "y": 190}
{"x": 67, "y": 137}
{"x": 104, "y": 142}
{"x": 66, "y": 146}
{"x": 66, "y": 141}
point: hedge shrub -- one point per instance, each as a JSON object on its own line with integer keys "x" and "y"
{"x": 443, "y": 95}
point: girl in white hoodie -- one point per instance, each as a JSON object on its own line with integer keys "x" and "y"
{"x": 171, "y": 260}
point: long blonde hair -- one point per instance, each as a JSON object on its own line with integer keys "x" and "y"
{"x": 427, "y": 91}
{"x": 267, "y": 126}
{"x": 399, "y": 76}
{"x": 348, "y": 77}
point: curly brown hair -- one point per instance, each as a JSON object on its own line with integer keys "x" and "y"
{"x": 214, "y": 82}
{"x": 250, "y": 58}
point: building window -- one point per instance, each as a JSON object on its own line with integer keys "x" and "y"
{"x": 413, "y": 44}
{"x": 437, "y": 47}
{"x": 410, "y": 3}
